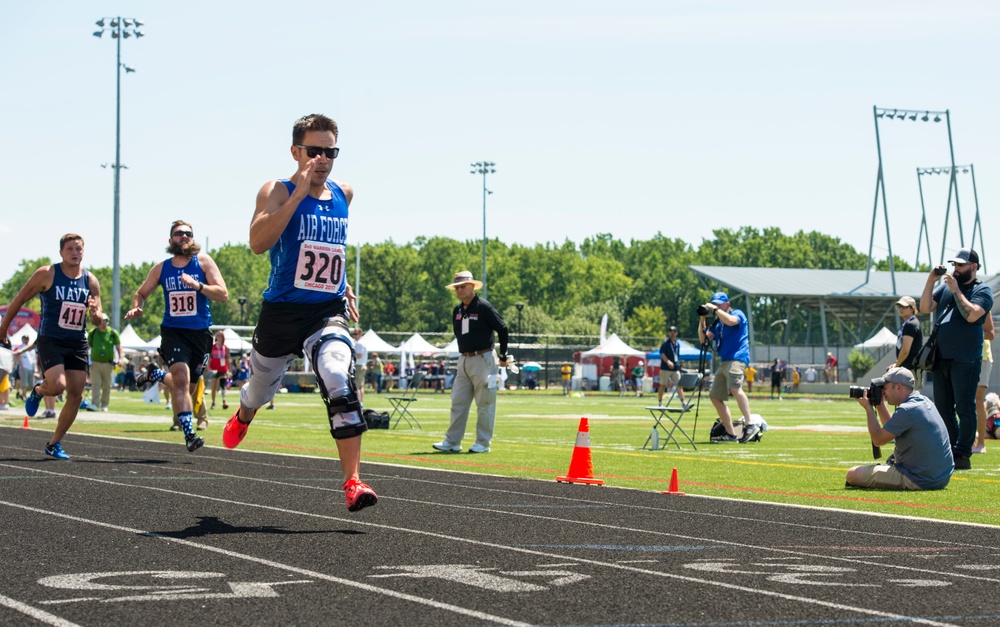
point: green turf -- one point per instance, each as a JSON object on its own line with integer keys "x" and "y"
{"x": 802, "y": 459}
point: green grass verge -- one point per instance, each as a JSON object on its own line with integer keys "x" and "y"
{"x": 802, "y": 459}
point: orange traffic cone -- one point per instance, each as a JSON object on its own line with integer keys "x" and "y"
{"x": 25, "y": 425}
{"x": 674, "y": 487}
{"x": 581, "y": 466}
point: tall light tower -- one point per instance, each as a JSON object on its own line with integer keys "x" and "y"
{"x": 120, "y": 28}
{"x": 484, "y": 168}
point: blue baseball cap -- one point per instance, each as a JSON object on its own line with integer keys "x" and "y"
{"x": 720, "y": 297}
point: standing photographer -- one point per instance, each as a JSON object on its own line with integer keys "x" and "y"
{"x": 730, "y": 331}
{"x": 962, "y": 303}
{"x": 922, "y": 459}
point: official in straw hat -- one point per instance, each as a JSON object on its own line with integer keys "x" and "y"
{"x": 475, "y": 321}
{"x": 922, "y": 458}
{"x": 962, "y": 303}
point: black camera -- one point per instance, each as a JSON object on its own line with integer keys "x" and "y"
{"x": 874, "y": 393}
{"x": 705, "y": 310}
{"x": 940, "y": 270}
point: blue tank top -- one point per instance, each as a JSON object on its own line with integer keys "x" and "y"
{"x": 308, "y": 262}
{"x": 64, "y": 306}
{"x": 184, "y": 307}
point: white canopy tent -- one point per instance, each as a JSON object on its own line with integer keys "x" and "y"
{"x": 132, "y": 342}
{"x": 883, "y": 339}
{"x": 613, "y": 347}
{"x": 417, "y": 345}
{"x": 235, "y": 343}
{"x": 375, "y": 344}
{"x": 26, "y": 329}
{"x": 451, "y": 350}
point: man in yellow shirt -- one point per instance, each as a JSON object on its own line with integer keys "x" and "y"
{"x": 750, "y": 373}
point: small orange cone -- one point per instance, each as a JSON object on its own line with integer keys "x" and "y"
{"x": 674, "y": 487}
{"x": 581, "y": 466}
{"x": 25, "y": 425}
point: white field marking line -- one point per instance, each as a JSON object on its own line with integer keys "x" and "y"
{"x": 599, "y": 563}
{"x": 40, "y": 615}
{"x": 266, "y": 562}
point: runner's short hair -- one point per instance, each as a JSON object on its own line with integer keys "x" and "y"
{"x": 69, "y": 237}
{"x": 312, "y": 122}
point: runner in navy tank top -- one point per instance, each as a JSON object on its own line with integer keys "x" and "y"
{"x": 189, "y": 279}
{"x": 302, "y": 223}
{"x": 69, "y": 295}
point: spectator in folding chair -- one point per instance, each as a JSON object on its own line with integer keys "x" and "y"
{"x": 401, "y": 403}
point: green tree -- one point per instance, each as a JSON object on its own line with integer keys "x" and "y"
{"x": 647, "y": 321}
{"x": 14, "y": 284}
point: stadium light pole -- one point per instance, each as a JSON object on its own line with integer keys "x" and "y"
{"x": 120, "y": 28}
{"x": 484, "y": 168}
{"x": 977, "y": 225}
{"x": 519, "y": 306}
{"x": 912, "y": 115}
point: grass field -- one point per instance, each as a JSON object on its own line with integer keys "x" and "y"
{"x": 802, "y": 458}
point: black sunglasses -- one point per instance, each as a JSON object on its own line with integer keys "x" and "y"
{"x": 313, "y": 151}
{"x": 183, "y": 233}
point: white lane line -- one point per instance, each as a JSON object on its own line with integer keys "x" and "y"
{"x": 868, "y": 560}
{"x": 39, "y": 615}
{"x": 709, "y": 582}
{"x": 500, "y": 620}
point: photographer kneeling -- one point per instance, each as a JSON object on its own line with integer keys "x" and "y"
{"x": 922, "y": 459}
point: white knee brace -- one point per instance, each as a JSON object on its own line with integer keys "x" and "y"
{"x": 332, "y": 352}
{"x": 265, "y": 379}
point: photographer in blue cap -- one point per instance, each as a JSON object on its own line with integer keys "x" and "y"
{"x": 962, "y": 304}
{"x": 922, "y": 459}
{"x": 729, "y": 329}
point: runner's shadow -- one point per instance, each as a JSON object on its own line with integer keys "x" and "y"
{"x": 211, "y": 526}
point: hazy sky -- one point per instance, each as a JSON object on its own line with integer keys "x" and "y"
{"x": 617, "y": 116}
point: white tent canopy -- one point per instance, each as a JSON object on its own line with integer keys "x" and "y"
{"x": 132, "y": 342}
{"x": 26, "y": 329}
{"x": 883, "y": 339}
{"x": 375, "y": 344}
{"x": 451, "y": 350}
{"x": 417, "y": 345}
{"x": 235, "y": 343}
{"x": 613, "y": 346}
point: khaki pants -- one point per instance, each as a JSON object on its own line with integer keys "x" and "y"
{"x": 101, "y": 375}
{"x": 472, "y": 382}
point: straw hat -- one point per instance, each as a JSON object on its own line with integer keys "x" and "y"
{"x": 462, "y": 278}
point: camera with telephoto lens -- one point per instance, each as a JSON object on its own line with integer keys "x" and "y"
{"x": 940, "y": 270}
{"x": 874, "y": 393}
{"x": 706, "y": 310}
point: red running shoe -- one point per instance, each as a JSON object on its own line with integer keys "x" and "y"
{"x": 235, "y": 430}
{"x": 359, "y": 495}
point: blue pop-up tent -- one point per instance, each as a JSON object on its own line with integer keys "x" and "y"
{"x": 688, "y": 353}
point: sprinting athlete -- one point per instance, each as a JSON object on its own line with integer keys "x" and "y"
{"x": 69, "y": 295}
{"x": 302, "y": 223}
{"x": 189, "y": 279}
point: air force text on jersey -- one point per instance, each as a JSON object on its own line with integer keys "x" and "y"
{"x": 319, "y": 228}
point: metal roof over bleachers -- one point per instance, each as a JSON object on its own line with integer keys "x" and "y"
{"x": 858, "y": 306}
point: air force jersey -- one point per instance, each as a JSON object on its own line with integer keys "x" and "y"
{"x": 308, "y": 262}
{"x": 184, "y": 307}
{"x": 64, "y": 306}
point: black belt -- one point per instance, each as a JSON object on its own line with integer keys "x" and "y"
{"x": 477, "y": 353}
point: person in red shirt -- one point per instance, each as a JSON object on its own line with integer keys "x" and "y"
{"x": 218, "y": 364}
{"x": 830, "y": 369}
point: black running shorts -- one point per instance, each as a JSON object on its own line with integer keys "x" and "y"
{"x": 282, "y": 328}
{"x": 70, "y": 354}
{"x": 189, "y": 346}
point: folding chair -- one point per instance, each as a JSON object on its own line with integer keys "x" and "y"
{"x": 400, "y": 404}
{"x": 689, "y": 382}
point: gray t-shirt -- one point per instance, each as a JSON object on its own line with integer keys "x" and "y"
{"x": 923, "y": 450}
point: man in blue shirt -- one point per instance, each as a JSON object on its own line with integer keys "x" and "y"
{"x": 729, "y": 329}
{"x": 922, "y": 459}
{"x": 962, "y": 303}
{"x": 670, "y": 365}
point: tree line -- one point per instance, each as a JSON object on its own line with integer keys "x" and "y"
{"x": 643, "y": 285}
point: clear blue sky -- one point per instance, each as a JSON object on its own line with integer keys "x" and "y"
{"x": 627, "y": 117}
